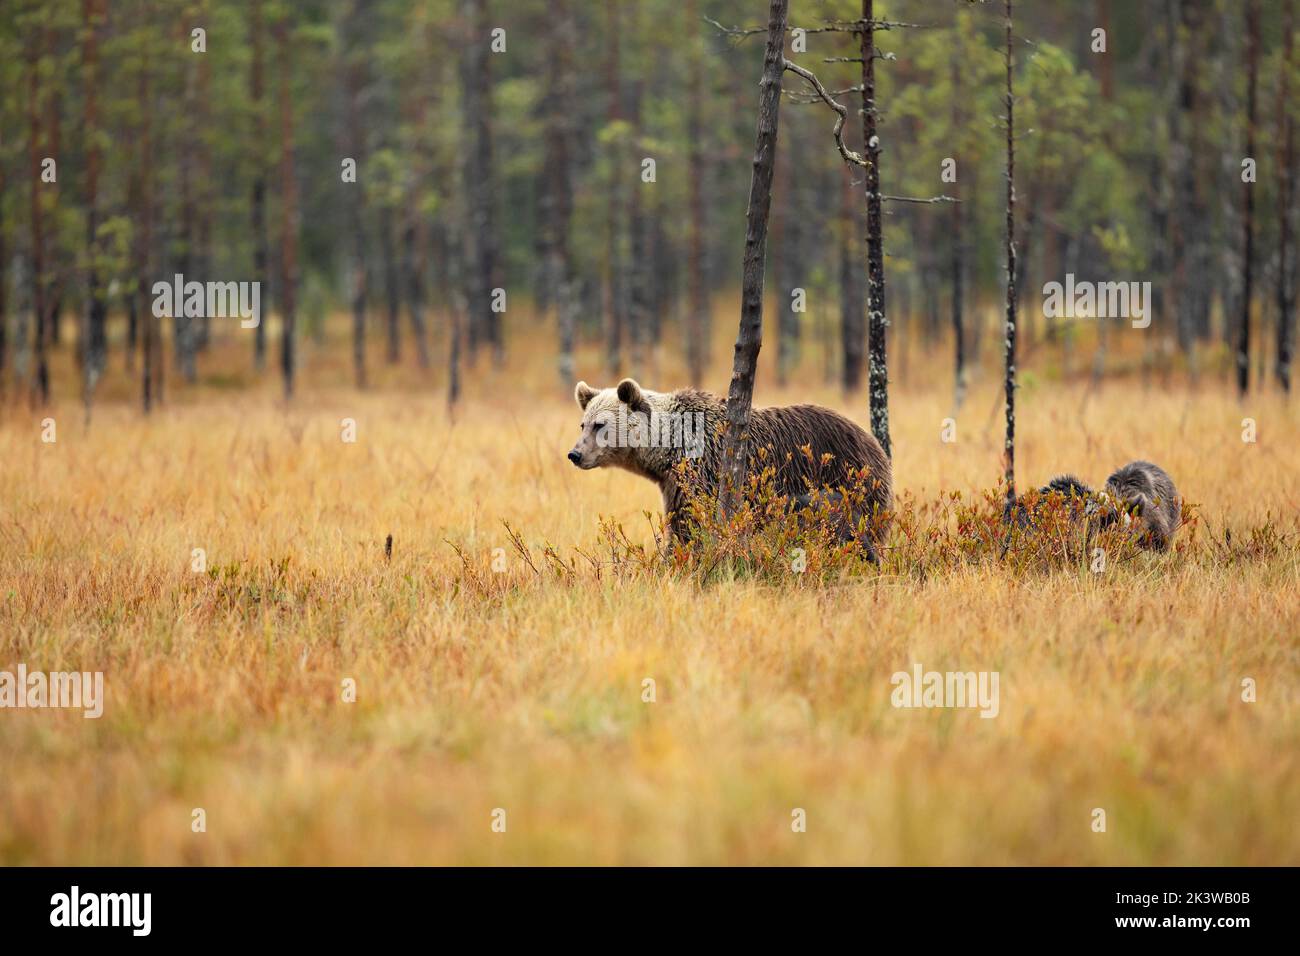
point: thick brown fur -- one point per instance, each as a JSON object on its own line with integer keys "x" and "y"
{"x": 782, "y": 431}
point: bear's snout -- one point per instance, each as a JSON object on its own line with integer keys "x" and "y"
{"x": 575, "y": 457}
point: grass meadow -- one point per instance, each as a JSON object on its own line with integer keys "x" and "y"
{"x": 521, "y": 687}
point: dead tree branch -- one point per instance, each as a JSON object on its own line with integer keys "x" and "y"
{"x": 841, "y": 111}
{"x": 861, "y": 25}
{"x": 917, "y": 199}
{"x": 795, "y": 96}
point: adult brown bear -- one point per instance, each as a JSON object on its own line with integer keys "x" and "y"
{"x": 648, "y": 433}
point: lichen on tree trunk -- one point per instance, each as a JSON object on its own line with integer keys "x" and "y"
{"x": 877, "y": 358}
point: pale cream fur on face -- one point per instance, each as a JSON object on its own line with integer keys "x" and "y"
{"x": 600, "y": 409}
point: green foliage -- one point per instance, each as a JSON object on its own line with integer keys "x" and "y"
{"x": 1090, "y": 170}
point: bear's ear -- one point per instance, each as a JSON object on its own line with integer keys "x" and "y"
{"x": 583, "y": 394}
{"x": 629, "y": 393}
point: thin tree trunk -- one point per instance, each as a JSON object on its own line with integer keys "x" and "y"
{"x": 1164, "y": 185}
{"x": 559, "y": 197}
{"x": 740, "y": 395}
{"x": 356, "y": 150}
{"x": 958, "y": 262}
{"x": 1183, "y": 114}
{"x": 1197, "y": 202}
{"x": 791, "y": 271}
{"x": 131, "y": 300}
{"x": 183, "y": 326}
{"x": 877, "y": 361}
{"x": 288, "y": 214}
{"x": 1247, "y": 262}
{"x": 975, "y": 326}
{"x": 1286, "y": 278}
{"x": 41, "y": 382}
{"x": 1227, "y": 63}
{"x": 484, "y": 322}
{"x": 826, "y": 333}
{"x": 453, "y": 284}
{"x": 614, "y": 295}
{"x": 392, "y": 291}
{"x": 261, "y": 234}
{"x": 54, "y": 266}
{"x": 1010, "y": 329}
{"x": 151, "y": 364}
{"x": 474, "y": 290}
{"x": 93, "y": 333}
{"x": 4, "y": 282}
{"x": 1107, "y": 96}
{"x": 697, "y": 323}
{"x": 1106, "y": 63}
{"x": 852, "y": 324}
{"x": 1028, "y": 247}
{"x": 415, "y": 226}
{"x": 418, "y": 225}
{"x": 638, "y": 313}
{"x": 661, "y": 276}
{"x": 777, "y": 242}
{"x": 413, "y": 247}
{"x": 958, "y": 292}
{"x": 206, "y": 189}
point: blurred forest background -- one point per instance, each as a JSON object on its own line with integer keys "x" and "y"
{"x": 503, "y": 145}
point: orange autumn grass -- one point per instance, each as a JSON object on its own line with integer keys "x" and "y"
{"x": 523, "y": 689}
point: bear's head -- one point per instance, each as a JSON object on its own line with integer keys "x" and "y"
{"x": 609, "y": 422}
